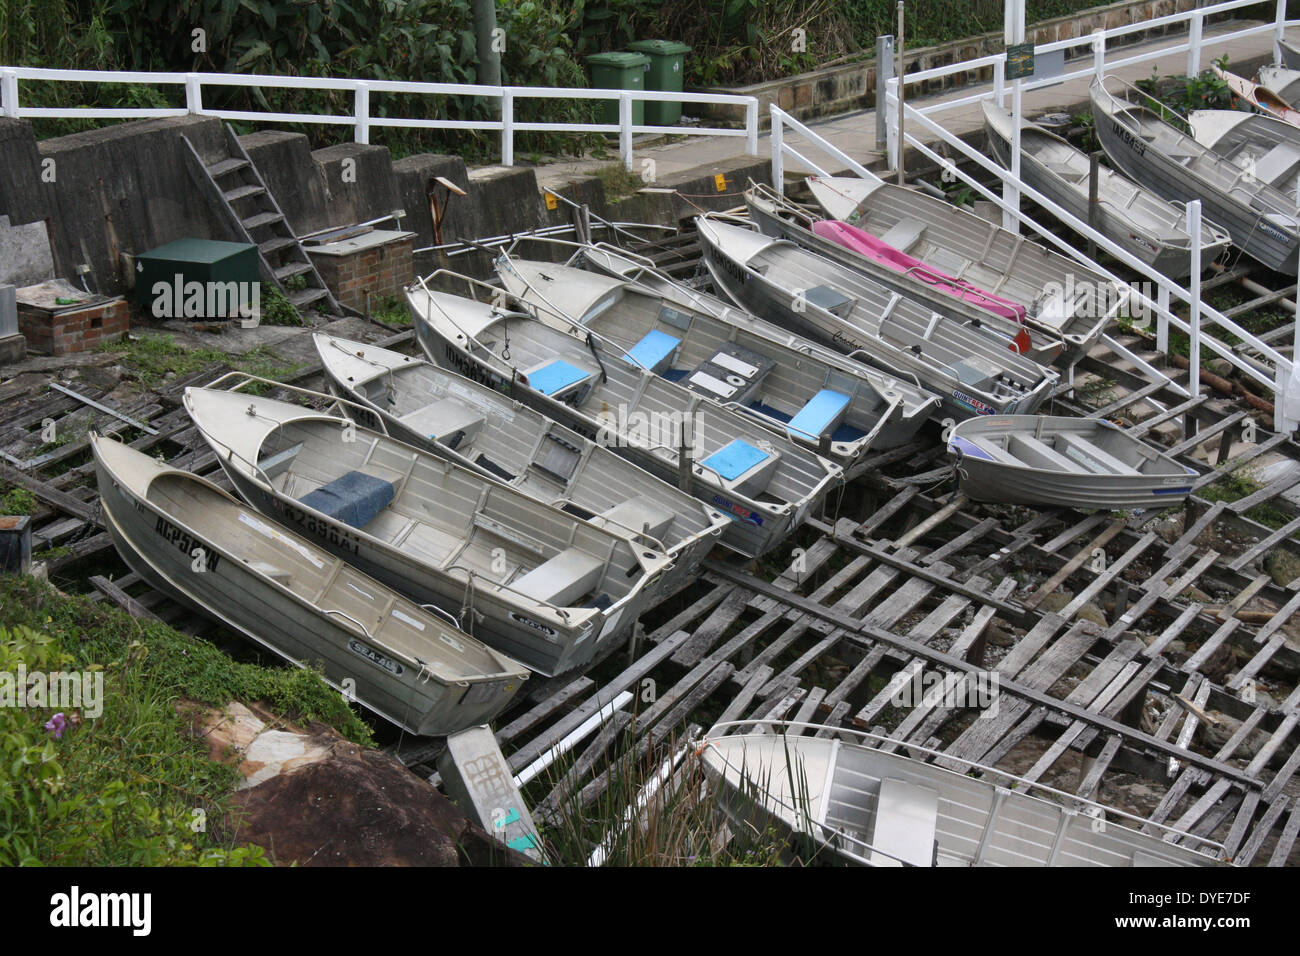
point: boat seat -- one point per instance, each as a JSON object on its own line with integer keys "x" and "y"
{"x": 354, "y": 498}
{"x": 448, "y": 421}
{"x": 1278, "y": 163}
{"x": 1064, "y": 170}
{"x": 272, "y": 466}
{"x": 637, "y": 515}
{"x": 903, "y": 234}
{"x": 907, "y": 817}
{"x": 1095, "y": 459}
{"x": 654, "y": 351}
{"x": 832, "y": 300}
{"x": 1036, "y": 454}
{"x": 742, "y": 466}
{"x": 562, "y": 579}
{"x": 557, "y": 378}
{"x": 823, "y": 412}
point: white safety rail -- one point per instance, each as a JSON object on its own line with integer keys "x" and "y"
{"x": 361, "y": 119}
{"x": 922, "y": 119}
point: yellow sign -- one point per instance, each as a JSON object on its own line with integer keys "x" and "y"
{"x": 720, "y": 181}
{"x": 551, "y": 201}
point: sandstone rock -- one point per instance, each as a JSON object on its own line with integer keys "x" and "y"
{"x": 1214, "y": 736}
{"x": 1056, "y": 601}
{"x": 1282, "y": 565}
{"x": 1091, "y": 612}
{"x": 998, "y": 635}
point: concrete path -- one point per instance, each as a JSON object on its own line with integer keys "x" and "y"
{"x": 855, "y": 132}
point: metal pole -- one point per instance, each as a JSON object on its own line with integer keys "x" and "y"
{"x": 1099, "y": 53}
{"x": 1279, "y": 30}
{"x": 778, "y": 157}
{"x": 1162, "y": 320}
{"x": 1093, "y": 169}
{"x": 1194, "y": 29}
{"x": 1287, "y": 418}
{"x": 1194, "y": 350}
{"x": 884, "y": 69}
{"x": 1014, "y": 32}
{"x": 902, "y": 181}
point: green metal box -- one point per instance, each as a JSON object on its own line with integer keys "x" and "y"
{"x": 216, "y": 279}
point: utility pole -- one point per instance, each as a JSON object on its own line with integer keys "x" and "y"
{"x": 487, "y": 44}
{"x": 1014, "y": 32}
{"x": 902, "y": 145}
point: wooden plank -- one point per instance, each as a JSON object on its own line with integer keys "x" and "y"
{"x": 1098, "y": 766}
{"x": 887, "y": 511}
{"x": 121, "y": 598}
{"x": 1261, "y": 831}
{"x": 1282, "y": 850}
{"x": 834, "y": 719}
{"x": 884, "y": 697}
{"x": 1266, "y": 545}
{"x": 711, "y": 629}
{"x": 552, "y": 703}
{"x": 1053, "y": 584}
{"x": 1211, "y": 644}
{"x": 1112, "y": 571}
{"x": 748, "y": 691}
{"x": 856, "y": 676}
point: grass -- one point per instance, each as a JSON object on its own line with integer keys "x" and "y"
{"x": 1239, "y": 485}
{"x": 17, "y": 501}
{"x": 153, "y": 358}
{"x": 132, "y": 786}
{"x": 392, "y": 311}
{"x": 618, "y": 182}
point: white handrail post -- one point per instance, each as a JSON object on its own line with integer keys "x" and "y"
{"x": 9, "y": 92}
{"x": 1286, "y": 396}
{"x": 625, "y": 128}
{"x": 194, "y": 93}
{"x": 361, "y": 112}
{"x": 1194, "y": 319}
{"x": 507, "y": 128}
{"x": 1279, "y": 30}
{"x": 1014, "y": 34}
{"x": 1162, "y": 319}
{"x": 1194, "y": 28}
{"x": 891, "y": 122}
{"x": 1000, "y": 83}
{"x": 751, "y": 126}
{"x": 1099, "y": 53}
{"x": 778, "y": 159}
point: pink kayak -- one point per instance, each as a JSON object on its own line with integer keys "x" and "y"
{"x": 865, "y": 244}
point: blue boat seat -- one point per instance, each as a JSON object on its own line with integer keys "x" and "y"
{"x": 734, "y": 460}
{"x": 654, "y": 351}
{"x": 561, "y": 580}
{"x": 820, "y": 415}
{"x": 354, "y": 498}
{"x": 556, "y": 376}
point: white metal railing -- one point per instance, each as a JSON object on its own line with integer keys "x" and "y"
{"x": 362, "y": 119}
{"x": 1013, "y": 187}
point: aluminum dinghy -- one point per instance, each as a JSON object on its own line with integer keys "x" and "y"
{"x": 197, "y": 544}
{"x": 869, "y": 807}
{"x": 785, "y": 390}
{"x": 528, "y": 579}
{"x": 971, "y": 372}
{"x": 1147, "y": 226}
{"x": 1262, "y": 97}
{"x": 1283, "y": 82}
{"x": 1063, "y": 300}
{"x": 1150, "y": 150}
{"x": 480, "y": 428}
{"x": 1264, "y": 148}
{"x": 764, "y": 482}
{"x": 1064, "y": 462}
{"x": 917, "y": 404}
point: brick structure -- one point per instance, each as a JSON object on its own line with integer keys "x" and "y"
{"x": 380, "y": 262}
{"x": 55, "y": 329}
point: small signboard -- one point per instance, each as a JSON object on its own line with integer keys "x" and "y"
{"x": 1020, "y": 61}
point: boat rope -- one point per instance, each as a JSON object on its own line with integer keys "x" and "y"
{"x": 469, "y": 615}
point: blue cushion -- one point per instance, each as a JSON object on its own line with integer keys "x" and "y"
{"x": 653, "y": 351}
{"x": 558, "y": 375}
{"x": 355, "y": 498}
{"x": 735, "y": 459}
{"x": 817, "y": 416}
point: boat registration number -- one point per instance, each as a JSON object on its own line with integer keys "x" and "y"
{"x": 186, "y": 543}
{"x": 331, "y": 534}
{"x": 1134, "y": 143}
{"x": 372, "y": 655}
{"x": 547, "y": 632}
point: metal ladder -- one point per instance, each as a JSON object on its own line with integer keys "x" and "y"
{"x": 236, "y": 190}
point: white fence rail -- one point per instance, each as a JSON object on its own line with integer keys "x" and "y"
{"x": 362, "y": 119}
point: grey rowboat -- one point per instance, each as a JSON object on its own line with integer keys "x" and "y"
{"x": 865, "y": 806}
{"x": 197, "y": 544}
{"x": 1147, "y": 226}
{"x": 484, "y": 430}
{"x": 533, "y": 581}
{"x": 1264, "y": 148}
{"x": 1150, "y": 150}
{"x": 1283, "y": 81}
{"x": 1064, "y": 462}
{"x": 1062, "y": 299}
{"x": 787, "y": 391}
{"x": 917, "y": 404}
{"x": 764, "y": 482}
{"x": 971, "y": 372}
